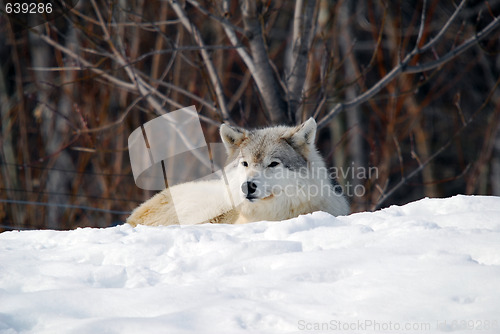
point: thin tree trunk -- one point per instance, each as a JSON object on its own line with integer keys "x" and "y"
{"x": 54, "y": 130}
{"x": 495, "y": 165}
{"x": 263, "y": 73}
{"x": 302, "y": 36}
{"x": 354, "y": 115}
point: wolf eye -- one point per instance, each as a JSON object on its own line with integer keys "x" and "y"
{"x": 244, "y": 163}
{"x": 273, "y": 164}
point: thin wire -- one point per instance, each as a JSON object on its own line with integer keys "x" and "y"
{"x": 69, "y": 206}
{"x": 12, "y": 227}
{"x": 21, "y": 166}
{"x": 51, "y": 193}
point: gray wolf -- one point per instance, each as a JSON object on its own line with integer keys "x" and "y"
{"x": 272, "y": 174}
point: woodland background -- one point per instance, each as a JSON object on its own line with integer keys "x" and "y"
{"x": 409, "y": 87}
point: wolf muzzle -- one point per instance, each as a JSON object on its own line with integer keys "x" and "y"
{"x": 249, "y": 188}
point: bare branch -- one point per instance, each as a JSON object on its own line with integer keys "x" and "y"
{"x": 456, "y": 51}
{"x": 231, "y": 34}
{"x": 422, "y": 23}
{"x": 440, "y": 34}
{"x": 241, "y": 51}
{"x": 115, "y": 123}
{"x": 143, "y": 88}
{"x": 422, "y": 165}
{"x": 221, "y": 20}
{"x": 214, "y": 77}
{"x": 147, "y": 90}
{"x": 263, "y": 73}
{"x": 404, "y": 67}
{"x": 145, "y": 25}
{"x": 138, "y": 86}
{"x": 241, "y": 89}
{"x": 88, "y": 65}
{"x": 300, "y": 47}
{"x": 403, "y": 180}
{"x": 157, "y": 82}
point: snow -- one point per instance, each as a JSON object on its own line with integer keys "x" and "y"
{"x": 431, "y": 266}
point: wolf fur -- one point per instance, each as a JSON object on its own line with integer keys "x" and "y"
{"x": 273, "y": 173}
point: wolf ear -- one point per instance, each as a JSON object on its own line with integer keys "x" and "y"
{"x": 304, "y": 134}
{"x": 232, "y": 136}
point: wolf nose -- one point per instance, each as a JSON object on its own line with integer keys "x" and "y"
{"x": 248, "y": 188}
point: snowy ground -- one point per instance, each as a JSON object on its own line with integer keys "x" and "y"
{"x": 430, "y": 266}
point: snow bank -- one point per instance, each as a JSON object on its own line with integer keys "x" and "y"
{"x": 430, "y": 266}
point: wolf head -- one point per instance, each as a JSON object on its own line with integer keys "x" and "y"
{"x": 262, "y": 143}
{"x": 276, "y": 172}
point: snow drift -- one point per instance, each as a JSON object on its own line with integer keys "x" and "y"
{"x": 430, "y": 266}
